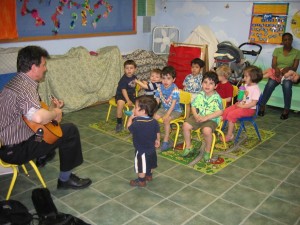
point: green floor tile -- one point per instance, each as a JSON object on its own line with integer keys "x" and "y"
{"x": 166, "y": 213}
{"x": 259, "y": 182}
{"x": 288, "y": 192}
{"x": 110, "y": 213}
{"x": 212, "y": 184}
{"x": 279, "y": 210}
{"x": 256, "y": 219}
{"x": 245, "y": 197}
{"x": 84, "y": 200}
{"x": 225, "y": 212}
{"x": 192, "y": 198}
{"x": 139, "y": 199}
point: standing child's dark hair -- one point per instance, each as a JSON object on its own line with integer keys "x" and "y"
{"x": 211, "y": 76}
{"x": 147, "y": 103}
{"x": 169, "y": 70}
{"x": 255, "y": 73}
{"x": 198, "y": 61}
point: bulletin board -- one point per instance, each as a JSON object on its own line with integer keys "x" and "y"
{"x": 268, "y": 22}
{"x": 57, "y": 19}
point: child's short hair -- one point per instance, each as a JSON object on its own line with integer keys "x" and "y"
{"x": 169, "y": 70}
{"x": 198, "y": 61}
{"x": 147, "y": 103}
{"x": 211, "y": 75}
{"x": 255, "y": 73}
{"x": 157, "y": 70}
{"x": 224, "y": 70}
{"x": 130, "y": 62}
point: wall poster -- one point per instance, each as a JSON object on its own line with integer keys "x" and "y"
{"x": 268, "y": 22}
{"x": 57, "y": 19}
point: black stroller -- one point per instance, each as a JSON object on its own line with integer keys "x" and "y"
{"x": 233, "y": 56}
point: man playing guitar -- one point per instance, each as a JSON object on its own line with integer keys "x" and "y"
{"x": 20, "y": 99}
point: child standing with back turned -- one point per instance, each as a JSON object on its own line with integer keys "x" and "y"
{"x": 146, "y": 137}
{"x": 192, "y": 82}
{"x": 246, "y": 107}
{"x": 168, "y": 95}
{"x": 125, "y": 91}
{"x": 207, "y": 108}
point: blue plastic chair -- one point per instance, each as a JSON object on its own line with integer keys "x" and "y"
{"x": 242, "y": 121}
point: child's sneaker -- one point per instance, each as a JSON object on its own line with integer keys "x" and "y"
{"x": 128, "y": 113}
{"x": 137, "y": 183}
{"x": 148, "y": 178}
{"x": 186, "y": 152}
{"x": 165, "y": 146}
{"x": 206, "y": 156}
{"x": 119, "y": 127}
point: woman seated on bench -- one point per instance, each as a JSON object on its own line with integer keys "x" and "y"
{"x": 284, "y": 59}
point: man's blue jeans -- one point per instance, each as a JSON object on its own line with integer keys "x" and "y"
{"x": 286, "y": 89}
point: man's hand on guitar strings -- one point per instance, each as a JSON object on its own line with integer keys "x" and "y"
{"x": 56, "y": 103}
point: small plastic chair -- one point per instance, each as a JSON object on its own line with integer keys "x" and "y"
{"x": 218, "y": 130}
{"x": 14, "y": 167}
{"x": 185, "y": 99}
{"x": 242, "y": 121}
{"x": 112, "y": 102}
{"x": 235, "y": 93}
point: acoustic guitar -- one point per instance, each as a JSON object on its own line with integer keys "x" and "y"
{"x": 49, "y": 132}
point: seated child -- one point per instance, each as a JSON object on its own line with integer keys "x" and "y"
{"x": 206, "y": 110}
{"x": 125, "y": 91}
{"x": 224, "y": 88}
{"x": 246, "y": 107}
{"x": 290, "y": 75}
{"x": 192, "y": 82}
{"x": 168, "y": 95}
{"x": 146, "y": 137}
{"x": 151, "y": 86}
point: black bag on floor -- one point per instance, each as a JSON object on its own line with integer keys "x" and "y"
{"x": 13, "y": 212}
{"x": 47, "y": 211}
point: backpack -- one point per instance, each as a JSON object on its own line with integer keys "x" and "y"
{"x": 47, "y": 211}
{"x": 13, "y": 212}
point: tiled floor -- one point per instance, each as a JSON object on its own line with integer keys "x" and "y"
{"x": 261, "y": 188}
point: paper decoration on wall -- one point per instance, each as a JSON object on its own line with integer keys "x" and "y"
{"x": 84, "y": 6}
{"x": 34, "y": 13}
{"x": 295, "y": 24}
{"x": 268, "y": 22}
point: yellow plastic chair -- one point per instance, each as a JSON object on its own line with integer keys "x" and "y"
{"x": 185, "y": 99}
{"x": 14, "y": 167}
{"x": 235, "y": 93}
{"x": 218, "y": 129}
{"x": 112, "y": 102}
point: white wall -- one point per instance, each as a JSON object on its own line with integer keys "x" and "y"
{"x": 230, "y": 24}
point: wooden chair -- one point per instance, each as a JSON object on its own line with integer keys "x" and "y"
{"x": 14, "y": 167}
{"x": 218, "y": 130}
{"x": 185, "y": 99}
{"x": 112, "y": 102}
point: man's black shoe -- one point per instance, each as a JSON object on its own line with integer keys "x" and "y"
{"x": 42, "y": 161}
{"x": 74, "y": 182}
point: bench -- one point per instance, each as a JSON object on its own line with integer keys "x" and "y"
{"x": 276, "y": 98}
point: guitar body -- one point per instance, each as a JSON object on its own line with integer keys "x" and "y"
{"x": 50, "y": 131}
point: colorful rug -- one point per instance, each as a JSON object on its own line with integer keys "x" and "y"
{"x": 221, "y": 157}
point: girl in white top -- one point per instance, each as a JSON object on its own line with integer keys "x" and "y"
{"x": 246, "y": 107}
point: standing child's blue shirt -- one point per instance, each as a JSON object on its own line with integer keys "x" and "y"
{"x": 166, "y": 95}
